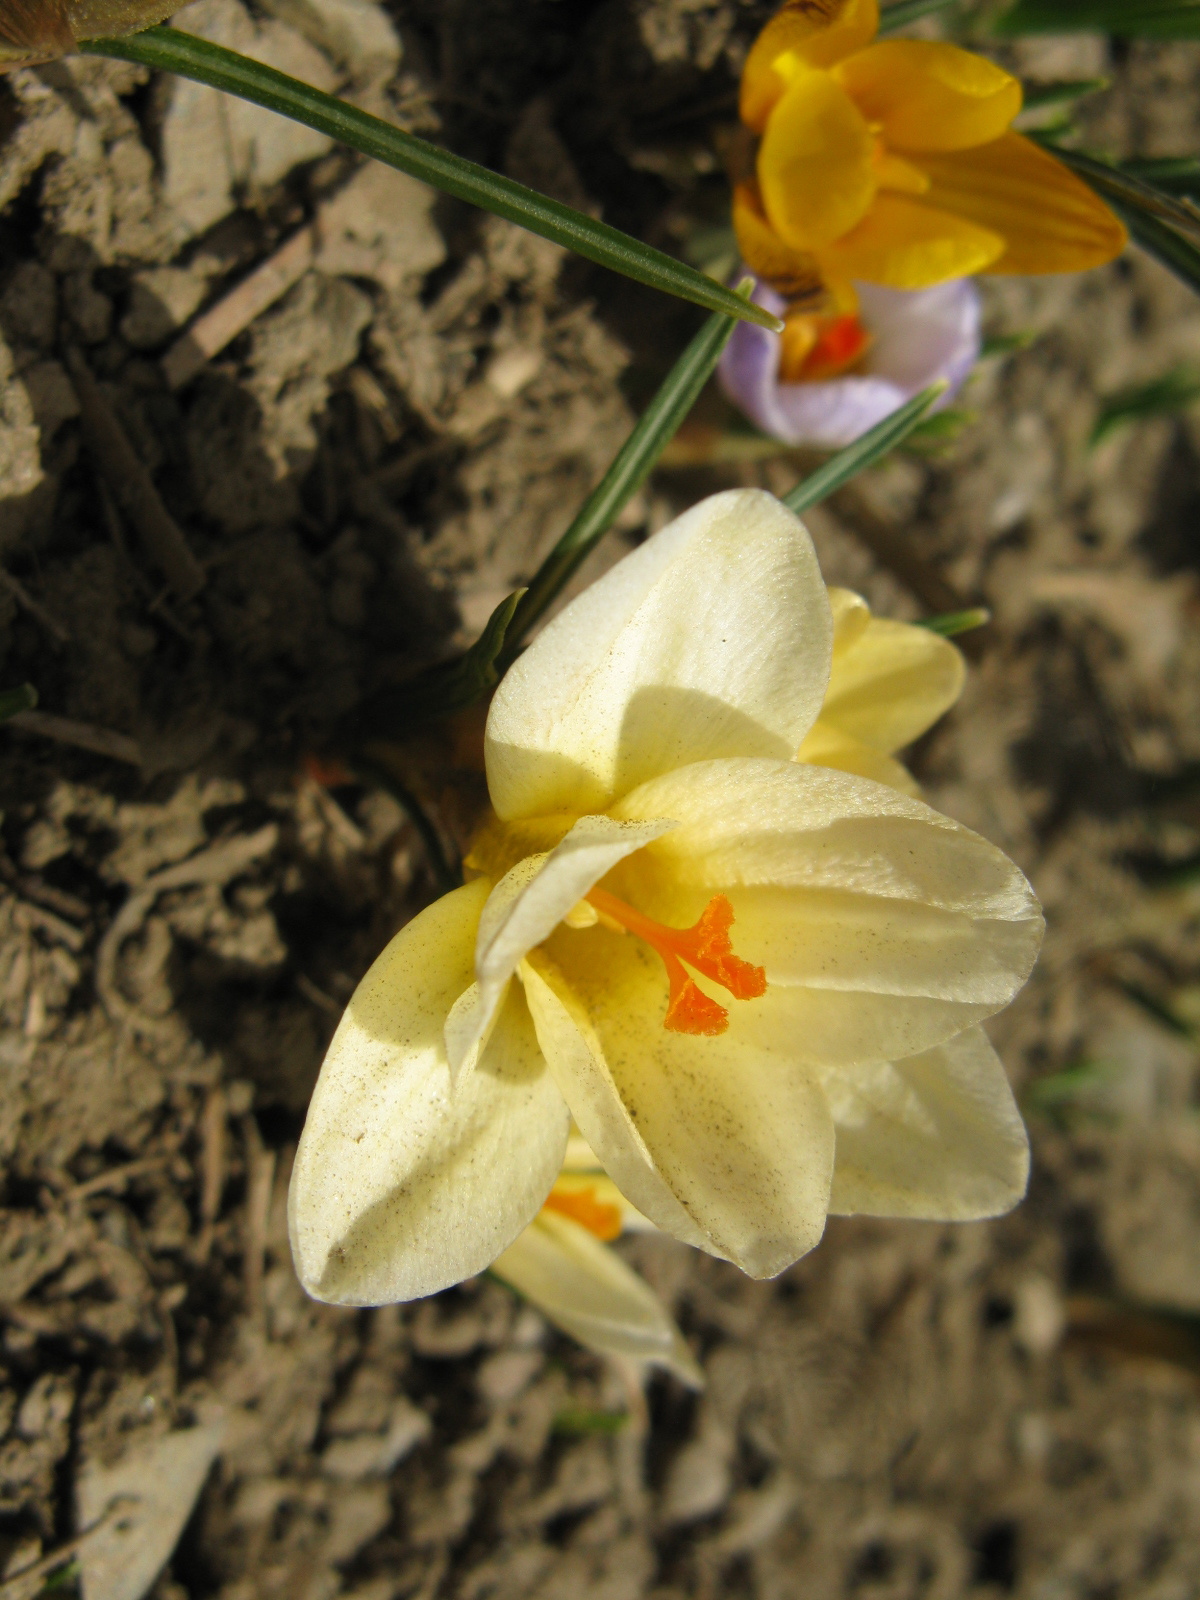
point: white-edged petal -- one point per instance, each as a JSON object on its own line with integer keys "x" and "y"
{"x": 884, "y": 927}
{"x": 937, "y": 1135}
{"x": 711, "y": 639}
{"x": 402, "y": 1186}
{"x": 741, "y": 1139}
{"x": 591, "y": 1294}
{"x": 526, "y": 905}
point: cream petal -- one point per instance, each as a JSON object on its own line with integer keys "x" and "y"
{"x": 712, "y": 639}
{"x": 575, "y": 1057}
{"x": 529, "y": 901}
{"x": 591, "y": 1294}
{"x": 401, "y": 1186}
{"x": 937, "y": 1135}
{"x": 891, "y": 682}
{"x": 742, "y": 1140}
{"x": 826, "y": 746}
{"x": 884, "y": 928}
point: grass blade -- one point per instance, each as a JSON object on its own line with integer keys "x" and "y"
{"x": 1129, "y": 19}
{"x": 633, "y": 465}
{"x": 902, "y": 12}
{"x": 168, "y": 50}
{"x": 872, "y": 447}
{"x": 951, "y": 623}
{"x": 1173, "y": 392}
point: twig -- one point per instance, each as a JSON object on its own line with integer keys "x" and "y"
{"x": 131, "y": 484}
{"x": 83, "y": 735}
{"x": 222, "y": 323}
{"x": 21, "y": 594}
{"x": 260, "y": 1178}
{"x": 212, "y": 1168}
{"x": 114, "y": 1178}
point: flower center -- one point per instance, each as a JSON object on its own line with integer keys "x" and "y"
{"x": 705, "y": 947}
{"x": 582, "y": 1206}
{"x": 816, "y": 348}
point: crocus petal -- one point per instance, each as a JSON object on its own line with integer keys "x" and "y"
{"x": 575, "y": 1056}
{"x": 801, "y": 33}
{"x": 891, "y": 683}
{"x": 905, "y": 243}
{"x": 401, "y": 1187}
{"x": 916, "y": 339}
{"x": 795, "y": 273}
{"x": 591, "y": 1294}
{"x": 884, "y": 927}
{"x": 528, "y": 902}
{"x": 712, "y": 638}
{"x": 937, "y": 1135}
{"x": 816, "y": 171}
{"x": 924, "y": 94}
{"x": 827, "y": 746}
{"x": 743, "y": 1141}
{"x": 1050, "y": 220}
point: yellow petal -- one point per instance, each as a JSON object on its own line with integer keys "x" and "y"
{"x": 794, "y": 273}
{"x": 884, "y": 928}
{"x": 905, "y": 243}
{"x": 923, "y": 94}
{"x": 891, "y": 683}
{"x": 591, "y": 1294}
{"x": 937, "y": 1135}
{"x": 816, "y": 168}
{"x": 1050, "y": 219}
{"x": 742, "y": 1140}
{"x": 826, "y": 746}
{"x": 815, "y": 33}
{"x": 712, "y": 638}
{"x": 528, "y": 902}
{"x": 401, "y": 1187}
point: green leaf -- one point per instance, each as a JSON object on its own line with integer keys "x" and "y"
{"x": 633, "y": 465}
{"x": 1039, "y": 96}
{"x": 899, "y": 15}
{"x": 1008, "y": 344}
{"x": 579, "y": 1421}
{"x": 22, "y": 698}
{"x": 1172, "y": 174}
{"x": 1129, "y": 19}
{"x": 1175, "y": 391}
{"x": 880, "y": 441}
{"x": 168, "y": 50}
{"x": 935, "y": 432}
{"x": 451, "y": 686}
{"x": 951, "y": 623}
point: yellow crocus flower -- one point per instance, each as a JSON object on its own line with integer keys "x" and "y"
{"x": 753, "y": 982}
{"x": 562, "y": 1265}
{"x": 893, "y": 161}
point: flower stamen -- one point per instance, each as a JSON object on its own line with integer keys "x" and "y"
{"x": 582, "y": 1207}
{"x": 706, "y": 947}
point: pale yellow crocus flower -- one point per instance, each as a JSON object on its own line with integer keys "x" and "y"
{"x": 655, "y": 850}
{"x": 561, "y": 1263}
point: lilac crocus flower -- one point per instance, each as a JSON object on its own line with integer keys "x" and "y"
{"x": 917, "y": 337}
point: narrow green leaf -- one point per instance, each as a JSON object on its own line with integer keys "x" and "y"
{"x": 951, "y": 623}
{"x": 1046, "y": 96}
{"x": 934, "y": 433}
{"x": 1129, "y": 19}
{"x": 1008, "y": 344}
{"x": 578, "y": 1421}
{"x": 451, "y": 686}
{"x": 880, "y": 441}
{"x": 633, "y": 465}
{"x": 900, "y": 14}
{"x": 1175, "y": 391}
{"x": 22, "y": 698}
{"x": 168, "y": 50}
{"x": 1172, "y": 174}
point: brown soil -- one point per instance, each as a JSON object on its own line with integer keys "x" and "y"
{"x": 914, "y": 1410}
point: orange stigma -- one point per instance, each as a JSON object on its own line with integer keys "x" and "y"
{"x": 816, "y": 348}
{"x": 582, "y": 1207}
{"x": 706, "y": 947}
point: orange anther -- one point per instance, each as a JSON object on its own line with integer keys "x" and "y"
{"x": 706, "y": 947}
{"x": 582, "y": 1207}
